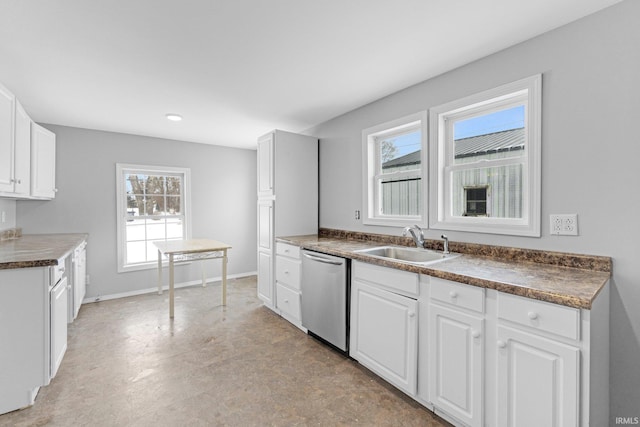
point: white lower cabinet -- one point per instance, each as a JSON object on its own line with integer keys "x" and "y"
{"x": 288, "y": 293}
{"x": 33, "y": 331}
{"x": 538, "y": 380}
{"x": 488, "y": 358}
{"x": 456, "y": 365}
{"x": 384, "y": 324}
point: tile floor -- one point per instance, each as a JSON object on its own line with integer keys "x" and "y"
{"x": 127, "y": 364}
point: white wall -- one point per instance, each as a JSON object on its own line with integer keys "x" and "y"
{"x": 590, "y": 150}
{"x": 223, "y": 194}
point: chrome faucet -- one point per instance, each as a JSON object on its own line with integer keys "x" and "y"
{"x": 418, "y": 239}
{"x": 445, "y": 250}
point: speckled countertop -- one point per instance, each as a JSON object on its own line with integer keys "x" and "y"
{"x": 547, "y": 279}
{"x": 37, "y": 250}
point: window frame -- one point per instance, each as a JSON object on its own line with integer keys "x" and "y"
{"x": 121, "y": 208}
{"x": 525, "y": 92}
{"x": 372, "y": 170}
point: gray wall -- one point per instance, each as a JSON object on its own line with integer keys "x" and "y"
{"x": 590, "y": 150}
{"x": 223, "y": 194}
{"x": 8, "y": 206}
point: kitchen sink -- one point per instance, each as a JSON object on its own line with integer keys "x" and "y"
{"x": 411, "y": 255}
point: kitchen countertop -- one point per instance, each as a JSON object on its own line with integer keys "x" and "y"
{"x": 37, "y": 250}
{"x": 569, "y": 286}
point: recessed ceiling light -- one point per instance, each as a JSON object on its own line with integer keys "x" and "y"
{"x": 173, "y": 117}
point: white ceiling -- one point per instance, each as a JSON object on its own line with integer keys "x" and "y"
{"x": 235, "y": 69}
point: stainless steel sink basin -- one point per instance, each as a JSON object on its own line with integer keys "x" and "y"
{"x": 411, "y": 255}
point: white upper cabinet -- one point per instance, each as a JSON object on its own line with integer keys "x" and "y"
{"x": 27, "y": 153}
{"x": 43, "y": 162}
{"x": 265, "y": 165}
{"x": 7, "y": 111}
{"x": 22, "y": 154}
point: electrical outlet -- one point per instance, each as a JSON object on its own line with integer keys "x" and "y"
{"x": 357, "y": 214}
{"x": 563, "y": 224}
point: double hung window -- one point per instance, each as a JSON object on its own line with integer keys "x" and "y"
{"x": 152, "y": 205}
{"x": 394, "y": 172}
{"x": 485, "y": 152}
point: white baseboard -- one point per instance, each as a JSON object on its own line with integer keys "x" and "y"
{"x": 165, "y": 288}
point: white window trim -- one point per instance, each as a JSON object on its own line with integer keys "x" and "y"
{"x": 121, "y": 192}
{"x": 440, "y": 216}
{"x": 371, "y": 173}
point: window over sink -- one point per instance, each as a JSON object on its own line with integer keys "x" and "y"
{"x": 485, "y": 161}
{"x": 393, "y": 177}
{"x": 153, "y": 205}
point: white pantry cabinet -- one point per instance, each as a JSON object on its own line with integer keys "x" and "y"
{"x": 384, "y": 323}
{"x": 287, "y": 201}
{"x": 43, "y": 163}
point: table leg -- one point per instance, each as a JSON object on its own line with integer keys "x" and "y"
{"x": 224, "y": 278}
{"x": 171, "y": 286}
{"x": 159, "y": 273}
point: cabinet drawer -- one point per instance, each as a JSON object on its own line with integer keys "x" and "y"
{"x": 288, "y": 271}
{"x": 457, "y": 294}
{"x": 286, "y": 249}
{"x": 403, "y": 282}
{"x": 557, "y": 319}
{"x": 288, "y": 301}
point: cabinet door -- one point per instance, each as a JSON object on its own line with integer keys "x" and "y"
{"x": 538, "y": 380}
{"x": 22, "y": 164}
{"x": 7, "y": 110}
{"x": 265, "y": 225}
{"x": 43, "y": 162}
{"x": 265, "y": 277}
{"x": 456, "y": 363}
{"x": 265, "y": 165}
{"x": 59, "y": 312}
{"x": 384, "y": 334}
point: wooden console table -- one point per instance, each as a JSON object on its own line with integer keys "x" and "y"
{"x": 180, "y": 251}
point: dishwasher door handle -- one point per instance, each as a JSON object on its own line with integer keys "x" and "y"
{"x": 324, "y": 260}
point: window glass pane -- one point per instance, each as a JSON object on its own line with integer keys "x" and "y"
{"x": 174, "y": 228}
{"x": 173, "y": 185}
{"x": 401, "y": 196}
{"x": 400, "y": 152}
{"x": 495, "y": 135}
{"x": 135, "y": 230}
{"x": 173, "y": 205}
{"x": 152, "y": 252}
{"x": 136, "y": 252}
{"x": 155, "y": 229}
{"x": 155, "y": 205}
{"x": 154, "y": 184}
{"x": 503, "y": 193}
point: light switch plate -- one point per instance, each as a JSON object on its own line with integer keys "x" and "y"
{"x": 563, "y": 224}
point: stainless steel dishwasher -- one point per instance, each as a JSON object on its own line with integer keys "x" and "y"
{"x": 325, "y": 298}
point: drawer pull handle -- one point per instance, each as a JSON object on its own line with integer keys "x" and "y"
{"x": 532, "y": 315}
{"x": 286, "y": 272}
{"x": 286, "y": 251}
{"x": 502, "y": 344}
{"x": 453, "y": 294}
{"x": 286, "y": 301}
{"x": 475, "y": 334}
